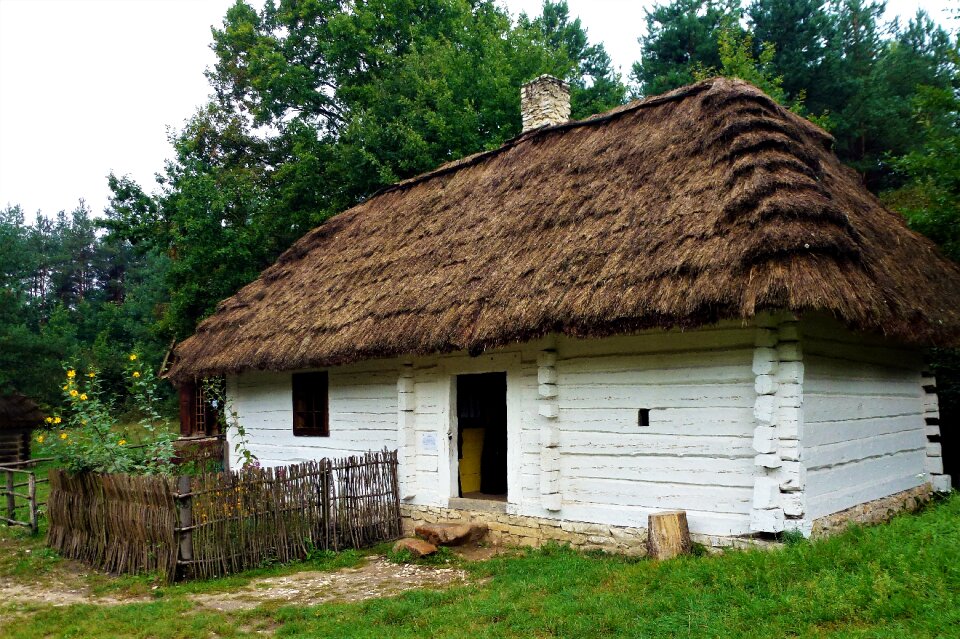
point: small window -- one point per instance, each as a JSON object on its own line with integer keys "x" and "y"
{"x": 310, "y": 417}
{"x": 643, "y": 417}
{"x": 199, "y": 414}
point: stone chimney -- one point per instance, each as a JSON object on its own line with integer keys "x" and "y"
{"x": 544, "y": 101}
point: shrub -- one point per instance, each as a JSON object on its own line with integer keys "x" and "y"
{"x": 84, "y": 434}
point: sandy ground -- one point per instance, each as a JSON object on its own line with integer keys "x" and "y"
{"x": 377, "y": 577}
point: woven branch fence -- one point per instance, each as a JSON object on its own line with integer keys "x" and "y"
{"x": 215, "y": 524}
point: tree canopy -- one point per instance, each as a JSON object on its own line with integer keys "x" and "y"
{"x": 317, "y": 105}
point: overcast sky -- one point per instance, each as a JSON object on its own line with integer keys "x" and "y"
{"x": 90, "y": 86}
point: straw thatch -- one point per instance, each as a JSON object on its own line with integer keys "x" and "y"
{"x": 708, "y": 202}
{"x": 18, "y": 412}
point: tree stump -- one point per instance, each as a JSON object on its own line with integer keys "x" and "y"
{"x": 668, "y": 535}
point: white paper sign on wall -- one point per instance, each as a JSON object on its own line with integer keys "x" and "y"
{"x": 428, "y": 442}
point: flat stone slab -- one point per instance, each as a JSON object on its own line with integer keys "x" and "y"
{"x": 451, "y": 534}
{"x": 416, "y": 547}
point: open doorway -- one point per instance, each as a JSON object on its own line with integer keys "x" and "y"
{"x": 482, "y": 435}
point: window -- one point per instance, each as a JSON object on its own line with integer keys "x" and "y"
{"x": 643, "y": 417}
{"x": 310, "y": 405}
{"x": 199, "y": 416}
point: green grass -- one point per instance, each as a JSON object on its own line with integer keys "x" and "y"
{"x": 900, "y": 580}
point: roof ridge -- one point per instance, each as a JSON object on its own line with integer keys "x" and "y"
{"x": 455, "y": 165}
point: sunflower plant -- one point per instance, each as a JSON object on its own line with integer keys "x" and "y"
{"x": 83, "y": 435}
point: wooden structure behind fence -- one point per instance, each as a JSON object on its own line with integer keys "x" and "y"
{"x": 19, "y": 415}
{"x": 215, "y": 524}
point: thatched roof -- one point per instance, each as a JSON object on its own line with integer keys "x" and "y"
{"x": 709, "y": 202}
{"x": 19, "y": 412}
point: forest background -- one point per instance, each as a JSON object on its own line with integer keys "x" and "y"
{"x": 315, "y": 105}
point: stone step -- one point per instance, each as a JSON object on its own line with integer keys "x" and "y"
{"x": 450, "y": 534}
{"x": 416, "y": 547}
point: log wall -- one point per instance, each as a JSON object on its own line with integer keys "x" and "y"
{"x": 864, "y": 432}
{"x": 847, "y": 425}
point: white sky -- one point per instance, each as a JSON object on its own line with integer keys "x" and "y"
{"x": 90, "y": 86}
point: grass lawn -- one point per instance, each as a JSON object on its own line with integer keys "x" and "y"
{"x": 898, "y": 580}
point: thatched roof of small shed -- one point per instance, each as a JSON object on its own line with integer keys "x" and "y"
{"x": 709, "y": 202}
{"x": 19, "y": 412}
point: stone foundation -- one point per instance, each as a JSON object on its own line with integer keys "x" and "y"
{"x": 521, "y": 530}
{"x": 873, "y": 512}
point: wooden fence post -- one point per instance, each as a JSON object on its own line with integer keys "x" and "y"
{"x": 226, "y": 453}
{"x": 11, "y": 498}
{"x": 32, "y": 494}
{"x": 185, "y": 517}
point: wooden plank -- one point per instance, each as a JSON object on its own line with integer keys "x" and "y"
{"x": 659, "y": 496}
{"x": 687, "y": 420}
{"x": 853, "y": 495}
{"x": 875, "y": 470}
{"x": 833, "y": 408}
{"x": 826, "y": 433}
{"x": 852, "y": 450}
{"x": 704, "y": 471}
{"x": 858, "y": 352}
{"x": 643, "y": 444}
{"x": 676, "y": 396}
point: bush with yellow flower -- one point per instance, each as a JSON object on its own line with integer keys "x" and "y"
{"x": 83, "y": 433}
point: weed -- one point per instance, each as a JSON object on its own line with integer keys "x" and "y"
{"x": 444, "y": 556}
{"x": 792, "y": 537}
{"x": 399, "y": 556}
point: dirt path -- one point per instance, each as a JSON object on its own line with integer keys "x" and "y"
{"x": 55, "y": 593}
{"x": 375, "y": 578}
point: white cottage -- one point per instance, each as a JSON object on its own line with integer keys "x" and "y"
{"x": 685, "y": 303}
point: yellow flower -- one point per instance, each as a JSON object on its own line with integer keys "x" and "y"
{"x": 49, "y": 420}
{"x": 40, "y": 439}
{"x": 71, "y": 373}
{"x": 63, "y": 435}
{"x": 83, "y": 397}
{"x": 122, "y": 442}
{"x": 91, "y": 374}
{"x": 65, "y": 387}
{"x": 57, "y": 420}
{"x": 133, "y": 357}
{"x": 74, "y": 393}
{"x": 136, "y": 373}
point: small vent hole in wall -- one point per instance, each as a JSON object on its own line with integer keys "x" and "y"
{"x": 643, "y": 417}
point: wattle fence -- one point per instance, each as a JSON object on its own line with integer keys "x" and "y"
{"x": 216, "y": 524}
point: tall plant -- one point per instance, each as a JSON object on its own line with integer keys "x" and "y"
{"x": 85, "y": 436}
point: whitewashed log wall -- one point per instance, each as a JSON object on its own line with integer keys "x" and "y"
{"x": 575, "y": 447}
{"x": 363, "y": 414}
{"x": 931, "y": 419}
{"x": 760, "y": 427}
{"x": 780, "y": 475}
{"x": 695, "y": 455}
{"x": 864, "y": 429}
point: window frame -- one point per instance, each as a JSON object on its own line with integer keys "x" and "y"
{"x": 198, "y": 418}
{"x": 312, "y": 419}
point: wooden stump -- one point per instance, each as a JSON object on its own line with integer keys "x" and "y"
{"x": 668, "y": 535}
